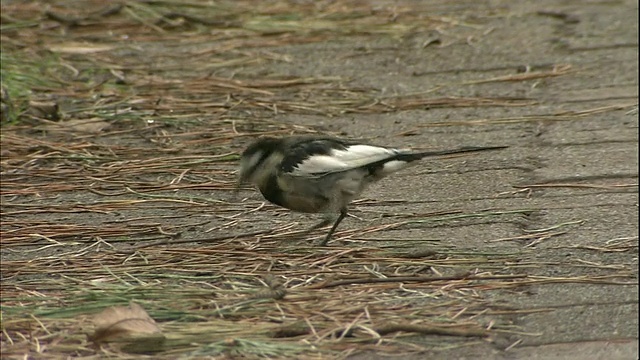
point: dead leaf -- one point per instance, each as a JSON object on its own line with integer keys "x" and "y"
{"x": 274, "y": 290}
{"x": 124, "y": 324}
{"x": 6, "y": 107}
{"x": 79, "y": 48}
{"x": 291, "y": 330}
{"x": 45, "y": 109}
{"x": 86, "y": 125}
{"x": 91, "y": 126}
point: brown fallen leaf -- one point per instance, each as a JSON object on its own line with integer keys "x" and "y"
{"x": 6, "y": 106}
{"x": 89, "y": 126}
{"x": 274, "y": 290}
{"x": 86, "y": 125}
{"x": 44, "y": 109}
{"x": 79, "y": 48}
{"x": 124, "y": 324}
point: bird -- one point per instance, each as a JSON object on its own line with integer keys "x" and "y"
{"x": 323, "y": 174}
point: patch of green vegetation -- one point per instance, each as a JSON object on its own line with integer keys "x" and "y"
{"x": 23, "y": 74}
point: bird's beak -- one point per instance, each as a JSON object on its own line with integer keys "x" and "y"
{"x": 242, "y": 179}
{"x": 236, "y": 190}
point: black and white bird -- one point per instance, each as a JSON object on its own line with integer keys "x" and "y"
{"x": 322, "y": 174}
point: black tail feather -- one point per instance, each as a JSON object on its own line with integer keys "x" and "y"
{"x": 462, "y": 150}
{"x": 374, "y": 167}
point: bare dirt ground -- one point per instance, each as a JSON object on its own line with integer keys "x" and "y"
{"x": 123, "y": 128}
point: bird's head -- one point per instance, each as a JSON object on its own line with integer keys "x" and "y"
{"x": 257, "y": 162}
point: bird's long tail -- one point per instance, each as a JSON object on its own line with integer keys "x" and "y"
{"x": 462, "y": 150}
{"x": 384, "y": 167}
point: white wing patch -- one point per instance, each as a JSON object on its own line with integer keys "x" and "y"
{"x": 352, "y": 157}
{"x": 358, "y": 155}
{"x": 319, "y": 164}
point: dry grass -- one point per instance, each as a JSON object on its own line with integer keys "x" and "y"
{"x": 98, "y": 209}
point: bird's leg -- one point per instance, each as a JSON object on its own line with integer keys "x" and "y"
{"x": 326, "y": 221}
{"x": 342, "y": 215}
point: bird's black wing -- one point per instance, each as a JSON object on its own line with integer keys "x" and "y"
{"x": 313, "y": 157}
{"x": 304, "y": 147}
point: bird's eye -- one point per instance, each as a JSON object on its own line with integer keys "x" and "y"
{"x": 249, "y": 164}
